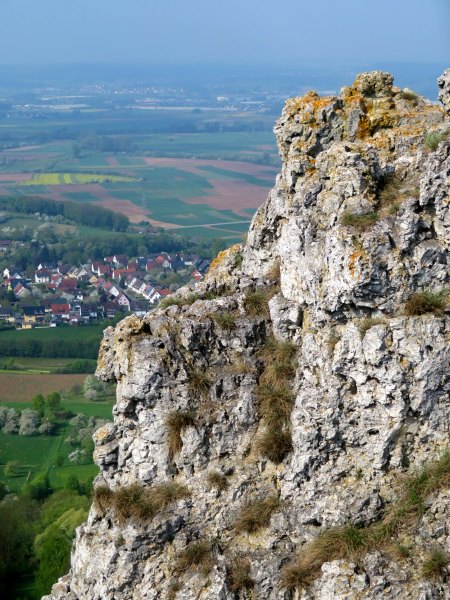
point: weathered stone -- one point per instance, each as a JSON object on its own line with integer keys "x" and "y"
{"x": 444, "y": 89}
{"x": 371, "y": 385}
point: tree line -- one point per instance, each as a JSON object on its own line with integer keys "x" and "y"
{"x": 90, "y": 215}
{"x": 86, "y": 347}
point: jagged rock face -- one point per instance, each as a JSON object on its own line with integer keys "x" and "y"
{"x": 444, "y": 89}
{"x": 358, "y": 221}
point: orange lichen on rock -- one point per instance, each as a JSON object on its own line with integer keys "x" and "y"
{"x": 353, "y": 261}
{"x": 216, "y": 262}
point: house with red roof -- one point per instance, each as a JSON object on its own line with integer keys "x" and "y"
{"x": 61, "y": 311}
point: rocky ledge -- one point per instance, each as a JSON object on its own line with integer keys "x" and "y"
{"x": 281, "y": 430}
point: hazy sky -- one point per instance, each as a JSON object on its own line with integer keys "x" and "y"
{"x": 227, "y": 31}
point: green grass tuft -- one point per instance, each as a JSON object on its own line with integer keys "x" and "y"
{"x": 433, "y": 139}
{"x": 425, "y": 302}
{"x": 225, "y": 320}
{"x": 358, "y": 221}
{"x": 350, "y": 542}
{"x": 435, "y": 565}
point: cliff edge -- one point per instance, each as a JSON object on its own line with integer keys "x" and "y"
{"x": 281, "y": 431}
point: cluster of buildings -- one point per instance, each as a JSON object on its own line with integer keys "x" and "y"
{"x": 77, "y": 295}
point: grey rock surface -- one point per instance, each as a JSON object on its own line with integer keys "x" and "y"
{"x": 444, "y": 89}
{"x": 357, "y": 222}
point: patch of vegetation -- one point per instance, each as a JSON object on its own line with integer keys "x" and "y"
{"x": 225, "y": 320}
{"x": 257, "y": 514}
{"x": 434, "y": 566}
{"x": 173, "y": 589}
{"x": 199, "y": 381}
{"x": 332, "y": 341}
{"x": 256, "y": 301}
{"x": 392, "y": 189}
{"x": 278, "y": 356}
{"x": 238, "y": 571}
{"x": 410, "y": 96}
{"x": 197, "y": 556}
{"x": 137, "y": 502}
{"x": 178, "y": 301}
{"x": 274, "y": 444}
{"x": 349, "y": 541}
{"x": 275, "y": 403}
{"x": 217, "y": 480}
{"x": 239, "y": 367}
{"x": 433, "y": 139}
{"x": 365, "y": 324}
{"x": 238, "y": 259}
{"x": 276, "y": 400}
{"x": 359, "y": 221}
{"x": 425, "y": 302}
{"x": 274, "y": 273}
{"x": 176, "y": 422}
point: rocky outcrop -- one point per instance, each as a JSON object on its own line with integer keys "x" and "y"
{"x": 444, "y": 89}
{"x": 290, "y": 391}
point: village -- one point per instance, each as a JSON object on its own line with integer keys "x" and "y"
{"x": 62, "y": 294}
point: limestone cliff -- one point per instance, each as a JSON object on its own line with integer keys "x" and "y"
{"x": 281, "y": 431}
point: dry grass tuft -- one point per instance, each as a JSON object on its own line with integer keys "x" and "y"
{"x": 422, "y": 303}
{"x": 274, "y": 273}
{"x": 225, "y": 320}
{"x": 350, "y": 542}
{"x": 256, "y": 302}
{"x": 239, "y": 367}
{"x": 197, "y": 556}
{"x": 239, "y": 573}
{"x": 103, "y": 497}
{"x": 392, "y": 190}
{"x": 199, "y": 381}
{"x": 410, "y": 96}
{"x": 177, "y": 301}
{"x": 257, "y": 514}
{"x": 137, "y": 502}
{"x": 365, "y": 324}
{"x": 275, "y": 403}
{"x": 435, "y": 565}
{"x": 173, "y": 589}
{"x": 160, "y": 496}
{"x": 276, "y": 400}
{"x": 176, "y": 422}
{"x": 217, "y": 480}
{"x": 274, "y": 444}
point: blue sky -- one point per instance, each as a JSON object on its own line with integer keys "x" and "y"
{"x": 223, "y": 31}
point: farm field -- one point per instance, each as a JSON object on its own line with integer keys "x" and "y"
{"x": 39, "y": 364}
{"x": 76, "y": 178}
{"x": 37, "y": 454}
{"x": 21, "y": 387}
{"x": 57, "y": 342}
{"x": 189, "y": 181}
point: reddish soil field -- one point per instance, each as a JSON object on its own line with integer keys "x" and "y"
{"x": 192, "y": 166}
{"x": 233, "y": 195}
{"x": 21, "y": 387}
{"x": 15, "y": 177}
